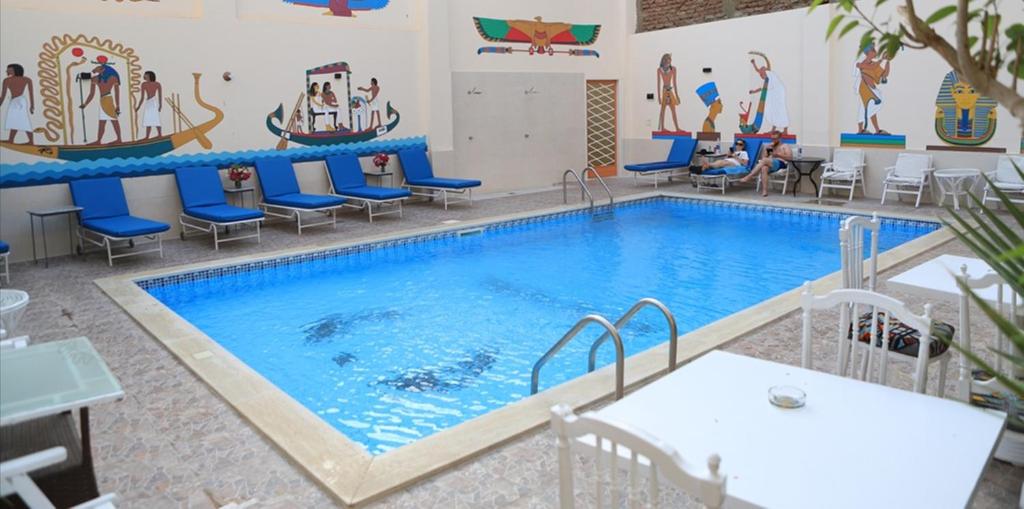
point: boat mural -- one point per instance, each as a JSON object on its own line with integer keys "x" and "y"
{"x": 311, "y": 101}
{"x": 114, "y": 66}
{"x": 344, "y": 8}
{"x": 131, "y": 149}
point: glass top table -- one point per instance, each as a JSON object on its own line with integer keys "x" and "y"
{"x": 50, "y": 378}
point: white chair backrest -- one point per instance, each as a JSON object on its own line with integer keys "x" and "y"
{"x": 874, "y": 355}
{"x": 912, "y": 165}
{"x": 1004, "y": 293}
{"x": 1005, "y": 172}
{"x": 623, "y": 449}
{"x": 851, "y": 251}
{"x": 847, "y": 159}
{"x": 14, "y": 479}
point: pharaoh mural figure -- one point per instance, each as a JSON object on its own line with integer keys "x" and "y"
{"x": 708, "y": 94}
{"x": 667, "y": 95}
{"x": 108, "y": 82}
{"x": 151, "y": 100}
{"x": 22, "y": 105}
{"x": 772, "y": 99}
{"x": 869, "y": 75}
{"x": 962, "y": 115}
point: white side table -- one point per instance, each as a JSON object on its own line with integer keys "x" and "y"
{"x": 954, "y": 182}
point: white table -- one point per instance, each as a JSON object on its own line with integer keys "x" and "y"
{"x": 853, "y": 445}
{"x": 935, "y": 279}
{"x": 954, "y": 182}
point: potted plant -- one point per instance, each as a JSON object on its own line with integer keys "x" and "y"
{"x": 239, "y": 173}
{"x": 380, "y": 161}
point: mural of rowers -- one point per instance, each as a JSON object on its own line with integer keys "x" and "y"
{"x": 108, "y": 82}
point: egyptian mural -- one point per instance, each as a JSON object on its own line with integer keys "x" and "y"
{"x": 708, "y": 94}
{"x": 771, "y": 113}
{"x": 962, "y": 116}
{"x": 321, "y": 117}
{"x": 668, "y": 95}
{"x": 870, "y": 77}
{"x": 97, "y": 103}
{"x": 345, "y": 8}
{"x": 537, "y": 36}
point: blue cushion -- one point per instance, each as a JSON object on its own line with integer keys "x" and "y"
{"x": 344, "y": 171}
{"x": 415, "y": 165}
{"x": 125, "y": 226}
{"x": 223, "y": 213}
{"x": 276, "y": 176}
{"x": 682, "y": 150}
{"x": 4, "y": 247}
{"x": 731, "y": 170}
{"x": 664, "y": 165}
{"x": 374, "y": 193}
{"x": 99, "y": 198}
{"x": 304, "y": 201}
{"x": 446, "y": 183}
{"x": 753, "y": 151}
{"x": 199, "y": 186}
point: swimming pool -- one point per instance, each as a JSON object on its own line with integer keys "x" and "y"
{"x": 393, "y": 341}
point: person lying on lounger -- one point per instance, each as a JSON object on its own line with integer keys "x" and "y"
{"x": 738, "y": 157}
{"x": 775, "y": 158}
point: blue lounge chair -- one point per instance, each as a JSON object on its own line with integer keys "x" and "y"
{"x": 205, "y": 209}
{"x": 347, "y": 180}
{"x": 281, "y": 196}
{"x": 104, "y": 219}
{"x": 679, "y": 158}
{"x": 720, "y": 178}
{"x": 5, "y": 252}
{"x": 420, "y": 179}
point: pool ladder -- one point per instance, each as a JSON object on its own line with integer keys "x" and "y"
{"x": 584, "y": 188}
{"x": 611, "y": 332}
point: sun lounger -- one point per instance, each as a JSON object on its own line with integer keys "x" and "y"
{"x": 347, "y": 180}
{"x": 205, "y": 208}
{"x": 720, "y": 178}
{"x": 679, "y": 158}
{"x": 282, "y": 198}
{"x": 420, "y": 180}
{"x": 104, "y": 219}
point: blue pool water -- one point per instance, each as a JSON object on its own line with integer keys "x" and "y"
{"x": 394, "y": 342}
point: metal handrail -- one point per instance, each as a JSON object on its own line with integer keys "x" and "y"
{"x": 584, "y": 190}
{"x": 673, "y": 336}
{"x": 620, "y": 354}
{"x": 611, "y": 199}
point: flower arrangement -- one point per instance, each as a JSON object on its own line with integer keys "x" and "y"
{"x": 238, "y": 173}
{"x": 380, "y": 161}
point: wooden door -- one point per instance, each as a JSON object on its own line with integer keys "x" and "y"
{"x": 602, "y": 126}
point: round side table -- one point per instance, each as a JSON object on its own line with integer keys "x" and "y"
{"x": 954, "y": 182}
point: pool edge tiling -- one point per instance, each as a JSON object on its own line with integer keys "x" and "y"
{"x": 352, "y": 475}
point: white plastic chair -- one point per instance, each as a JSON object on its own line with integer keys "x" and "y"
{"x": 844, "y": 172}
{"x": 1003, "y": 292}
{"x": 874, "y": 355}
{"x": 14, "y": 479}
{"x": 784, "y": 177}
{"x": 851, "y": 251}
{"x": 911, "y": 174}
{"x": 623, "y": 449}
{"x": 6, "y": 274}
{"x": 1006, "y": 179}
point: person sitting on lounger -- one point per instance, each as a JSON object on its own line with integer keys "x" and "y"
{"x": 776, "y": 156}
{"x": 738, "y": 157}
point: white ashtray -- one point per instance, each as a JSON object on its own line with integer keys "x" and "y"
{"x": 787, "y": 396}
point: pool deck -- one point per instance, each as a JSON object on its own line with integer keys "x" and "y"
{"x": 174, "y": 442}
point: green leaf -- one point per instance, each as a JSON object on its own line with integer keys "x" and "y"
{"x": 814, "y": 5}
{"x": 833, "y": 24}
{"x": 879, "y": 2}
{"x": 940, "y": 14}
{"x": 1015, "y": 69}
{"x": 846, "y": 5}
{"x": 867, "y": 38}
{"x": 846, "y": 29}
{"x": 972, "y": 40}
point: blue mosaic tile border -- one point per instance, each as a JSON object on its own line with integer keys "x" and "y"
{"x": 456, "y": 232}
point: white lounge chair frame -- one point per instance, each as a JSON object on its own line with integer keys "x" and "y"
{"x": 844, "y": 172}
{"x": 366, "y": 203}
{"x": 915, "y": 178}
{"x": 14, "y": 479}
{"x": 641, "y": 455}
{"x": 432, "y": 193}
{"x": 1006, "y": 179}
{"x": 295, "y": 213}
{"x": 715, "y": 182}
{"x": 205, "y": 226}
{"x": 656, "y": 174}
{"x": 104, "y": 241}
{"x": 850, "y": 301}
{"x": 7, "y": 268}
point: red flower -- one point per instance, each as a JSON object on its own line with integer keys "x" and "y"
{"x": 381, "y": 160}
{"x": 239, "y": 173}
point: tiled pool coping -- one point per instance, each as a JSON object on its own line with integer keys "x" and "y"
{"x": 341, "y": 466}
